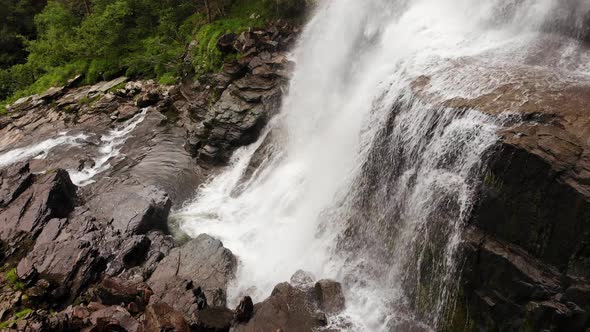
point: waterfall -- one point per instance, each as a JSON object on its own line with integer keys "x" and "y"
{"x": 358, "y": 178}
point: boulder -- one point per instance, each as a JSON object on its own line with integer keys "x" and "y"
{"x": 160, "y": 316}
{"x": 201, "y": 267}
{"x": 69, "y": 262}
{"x": 244, "y": 310}
{"x": 302, "y": 278}
{"x": 134, "y": 209}
{"x": 329, "y": 296}
{"x": 287, "y": 309}
{"x": 31, "y": 201}
{"x": 213, "y": 319}
{"x": 114, "y": 291}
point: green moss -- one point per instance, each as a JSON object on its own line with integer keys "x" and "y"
{"x": 206, "y": 57}
{"x": 88, "y": 100}
{"x": 21, "y": 314}
{"x": 17, "y": 316}
{"x": 260, "y": 9}
{"x": 13, "y": 280}
{"x": 167, "y": 79}
{"x": 118, "y": 87}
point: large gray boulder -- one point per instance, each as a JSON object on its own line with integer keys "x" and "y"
{"x": 134, "y": 209}
{"x": 200, "y": 267}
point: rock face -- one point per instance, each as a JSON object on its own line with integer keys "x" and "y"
{"x": 250, "y": 91}
{"x": 527, "y": 242}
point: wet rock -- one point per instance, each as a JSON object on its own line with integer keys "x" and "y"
{"x": 503, "y": 284}
{"x": 114, "y": 291}
{"x": 34, "y": 200}
{"x": 127, "y": 112}
{"x": 134, "y": 209}
{"x": 287, "y": 309}
{"x": 213, "y": 319}
{"x": 239, "y": 116}
{"x": 244, "y": 310}
{"x": 301, "y": 278}
{"x": 200, "y": 264}
{"x": 329, "y": 295}
{"x": 114, "y": 318}
{"x": 160, "y": 316}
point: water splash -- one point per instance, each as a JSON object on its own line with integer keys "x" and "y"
{"x": 360, "y": 180}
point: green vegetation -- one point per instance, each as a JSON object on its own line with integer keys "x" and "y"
{"x": 17, "y": 316}
{"x": 102, "y": 39}
{"x": 13, "y": 280}
{"x": 21, "y": 314}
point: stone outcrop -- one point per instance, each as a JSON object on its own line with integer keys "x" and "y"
{"x": 295, "y": 307}
{"x": 195, "y": 275}
{"x": 528, "y": 237}
{"x": 249, "y": 90}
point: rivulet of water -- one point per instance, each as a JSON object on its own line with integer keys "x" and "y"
{"x": 362, "y": 178}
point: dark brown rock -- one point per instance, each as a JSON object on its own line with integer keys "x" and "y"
{"x": 287, "y": 309}
{"x": 162, "y": 317}
{"x": 113, "y": 291}
{"x": 329, "y": 296}
{"x": 34, "y": 201}
{"x": 244, "y": 310}
{"x": 213, "y": 319}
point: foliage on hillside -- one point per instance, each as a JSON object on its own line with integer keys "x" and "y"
{"x": 102, "y": 39}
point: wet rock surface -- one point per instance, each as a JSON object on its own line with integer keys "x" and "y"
{"x": 294, "y": 307}
{"x": 528, "y": 238}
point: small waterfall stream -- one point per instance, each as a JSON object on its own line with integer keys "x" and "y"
{"x": 358, "y": 179}
{"x": 109, "y": 148}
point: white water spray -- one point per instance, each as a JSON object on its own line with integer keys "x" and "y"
{"x": 361, "y": 181}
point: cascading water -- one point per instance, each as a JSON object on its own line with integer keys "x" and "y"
{"x": 361, "y": 180}
{"x": 110, "y": 148}
{"x": 40, "y": 150}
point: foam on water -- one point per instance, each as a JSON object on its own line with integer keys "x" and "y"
{"x": 360, "y": 181}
